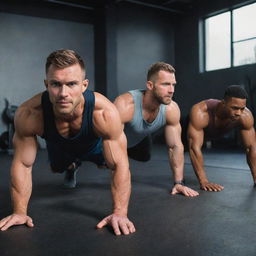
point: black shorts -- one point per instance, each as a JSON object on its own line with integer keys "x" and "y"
{"x": 60, "y": 160}
{"x": 141, "y": 151}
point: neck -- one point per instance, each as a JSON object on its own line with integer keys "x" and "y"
{"x": 149, "y": 102}
{"x": 220, "y": 111}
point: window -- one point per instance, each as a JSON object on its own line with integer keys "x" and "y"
{"x": 230, "y": 38}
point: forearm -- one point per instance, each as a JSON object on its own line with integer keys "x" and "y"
{"x": 176, "y": 160}
{"x": 21, "y": 187}
{"x": 121, "y": 190}
{"x": 251, "y": 160}
{"x": 197, "y": 161}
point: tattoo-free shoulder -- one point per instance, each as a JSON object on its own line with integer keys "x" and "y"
{"x": 199, "y": 116}
{"x": 247, "y": 120}
{"x": 29, "y": 117}
{"x": 172, "y": 113}
{"x": 125, "y": 106}
{"x": 106, "y": 119}
{"x": 199, "y": 107}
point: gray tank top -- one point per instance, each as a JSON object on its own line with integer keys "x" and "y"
{"x": 137, "y": 129}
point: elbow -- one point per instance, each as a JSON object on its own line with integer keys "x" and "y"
{"x": 112, "y": 166}
{"x": 251, "y": 151}
{"x": 176, "y": 148}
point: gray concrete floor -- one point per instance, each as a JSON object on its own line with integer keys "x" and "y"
{"x": 213, "y": 224}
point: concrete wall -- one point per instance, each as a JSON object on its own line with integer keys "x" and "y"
{"x": 25, "y": 44}
{"x": 194, "y": 86}
{"x": 144, "y": 36}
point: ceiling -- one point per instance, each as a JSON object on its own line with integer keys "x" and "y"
{"x": 178, "y": 6}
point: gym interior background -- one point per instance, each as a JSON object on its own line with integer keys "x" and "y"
{"x": 119, "y": 40}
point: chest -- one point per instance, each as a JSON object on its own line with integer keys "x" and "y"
{"x": 224, "y": 125}
{"x": 150, "y": 116}
{"x": 69, "y": 129}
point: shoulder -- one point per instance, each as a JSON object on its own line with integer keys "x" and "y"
{"x": 172, "y": 110}
{"x": 199, "y": 109}
{"x": 247, "y": 120}
{"x": 125, "y": 106}
{"x": 106, "y": 118}
{"x": 103, "y": 105}
{"x": 199, "y": 116}
{"x": 172, "y": 113}
{"x": 173, "y": 106}
{"x": 29, "y": 117}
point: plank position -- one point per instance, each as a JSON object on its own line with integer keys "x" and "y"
{"x": 213, "y": 118}
{"x": 143, "y": 112}
{"x": 76, "y": 124}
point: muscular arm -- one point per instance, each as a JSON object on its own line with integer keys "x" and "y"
{"x": 195, "y": 140}
{"x": 108, "y": 124}
{"x": 116, "y": 158}
{"x": 176, "y": 149}
{"x": 198, "y": 121}
{"x": 25, "y": 147}
{"x": 21, "y": 172}
{"x": 249, "y": 141}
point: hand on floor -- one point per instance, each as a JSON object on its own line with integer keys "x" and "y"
{"x": 208, "y": 186}
{"x": 186, "y": 191}
{"x": 15, "y": 219}
{"x": 120, "y": 224}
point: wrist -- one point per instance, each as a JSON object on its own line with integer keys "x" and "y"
{"x": 20, "y": 210}
{"x": 179, "y": 182}
{"x": 120, "y": 212}
{"x": 203, "y": 181}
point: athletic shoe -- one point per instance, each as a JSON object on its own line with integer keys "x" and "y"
{"x": 70, "y": 177}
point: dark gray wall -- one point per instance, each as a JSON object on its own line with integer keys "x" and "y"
{"x": 194, "y": 86}
{"x": 128, "y": 39}
{"x": 144, "y": 36}
{"x": 26, "y": 43}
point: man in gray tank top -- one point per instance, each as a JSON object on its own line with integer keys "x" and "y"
{"x": 213, "y": 118}
{"x": 145, "y": 111}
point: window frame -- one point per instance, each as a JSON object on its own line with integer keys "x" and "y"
{"x": 202, "y": 38}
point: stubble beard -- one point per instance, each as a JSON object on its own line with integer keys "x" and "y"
{"x": 161, "y": 100}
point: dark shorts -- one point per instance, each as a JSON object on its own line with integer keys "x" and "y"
{"x": 141, "y": 151}
{"x": 60, "y": 160}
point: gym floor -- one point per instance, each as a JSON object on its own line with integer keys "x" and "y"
{"x": 213, "y": 224}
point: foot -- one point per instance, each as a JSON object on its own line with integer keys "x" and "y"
{"x": 70, "y": 177}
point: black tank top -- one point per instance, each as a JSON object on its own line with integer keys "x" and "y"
{"x": 84, "y": 140}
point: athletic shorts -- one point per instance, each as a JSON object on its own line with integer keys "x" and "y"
{"x": 142, "y": 150}
{"x": 60, "y": 160}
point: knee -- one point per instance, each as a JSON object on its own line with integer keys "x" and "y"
{"x": 251, "y": 152}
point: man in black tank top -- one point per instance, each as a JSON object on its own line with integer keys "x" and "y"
{"x": 76, "y": 124}
{"x": 212, "y": 119}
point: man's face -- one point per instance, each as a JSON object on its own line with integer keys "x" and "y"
{"x": 234, "y": 107}
{"x": 65, "y": 87}
{"x": 163, "y": 87}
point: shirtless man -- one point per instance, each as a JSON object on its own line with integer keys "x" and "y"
{"x": 213, "y": 118}
{"x": 75, "y": 122}
{"x": 145, "y": 111}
